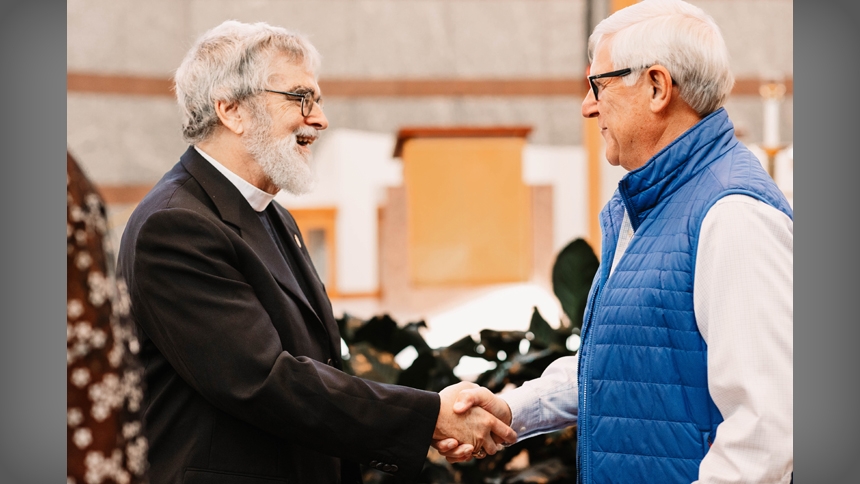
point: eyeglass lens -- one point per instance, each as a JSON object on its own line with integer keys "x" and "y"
{"x": 594, "y": 88}
{"x": 308, "y": 103}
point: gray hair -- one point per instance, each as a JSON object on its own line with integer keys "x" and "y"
{"x": 674, "y": 34}
{"x": 232, "y": 62}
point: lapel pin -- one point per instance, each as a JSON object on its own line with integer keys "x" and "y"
{"x": 296, "y": 237}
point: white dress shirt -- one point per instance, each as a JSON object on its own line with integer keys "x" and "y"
{"x": 743, "y": 301}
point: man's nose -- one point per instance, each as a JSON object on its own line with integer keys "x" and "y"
{"x": 589, "y": 105}
{"x": 317, "y": 118}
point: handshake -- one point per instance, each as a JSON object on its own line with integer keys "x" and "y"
{"x": 472, "y": 422}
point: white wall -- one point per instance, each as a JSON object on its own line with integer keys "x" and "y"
{"x": 354, "y": 167}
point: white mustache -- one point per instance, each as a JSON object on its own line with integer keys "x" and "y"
{"x": 306, "y": 132}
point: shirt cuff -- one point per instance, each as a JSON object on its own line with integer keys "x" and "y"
{"x": 525, "y": 408}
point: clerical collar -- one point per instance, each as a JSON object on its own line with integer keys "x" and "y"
{"x": 258, "y": 199}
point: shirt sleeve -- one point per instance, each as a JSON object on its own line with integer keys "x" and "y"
{"x": 743, "y": 300}
{"x": 547, "y": 403}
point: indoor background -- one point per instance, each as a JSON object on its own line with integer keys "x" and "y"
{"x": 391, "y": 66}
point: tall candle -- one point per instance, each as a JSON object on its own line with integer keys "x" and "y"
{"x": 771, "y": 123}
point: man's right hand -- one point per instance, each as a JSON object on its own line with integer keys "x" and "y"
{"x": 488, "y": 416}
{"x": 474, "y": 428}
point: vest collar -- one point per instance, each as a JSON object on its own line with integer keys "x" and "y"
{"x": 645, "y": 187}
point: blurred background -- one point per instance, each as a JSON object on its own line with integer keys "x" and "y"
{"x": 456, "y": 165}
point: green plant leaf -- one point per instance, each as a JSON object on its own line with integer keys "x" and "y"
{"x": 429, "y": 371}
{"x": 497, "y": 341}
{"x": 384, "y": 334}
{"x": 572, "y": 275}
{"x": 542, "y": 334}
{"x": 347, "y": 325}
{"x": 464, "y": 346}
{"x": 373, "y": 364}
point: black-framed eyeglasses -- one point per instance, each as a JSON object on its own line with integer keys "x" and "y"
{"x": 595, "y": 87}
{"x": 307, "y": 98}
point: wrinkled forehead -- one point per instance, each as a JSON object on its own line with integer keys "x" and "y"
{"x": 602, "y": 57}
{"x": 287, "y": 72}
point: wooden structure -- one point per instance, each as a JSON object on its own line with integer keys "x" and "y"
{"x": 469, "y": 211}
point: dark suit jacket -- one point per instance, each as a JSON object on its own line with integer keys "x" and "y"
{"x": 243, "y": 371}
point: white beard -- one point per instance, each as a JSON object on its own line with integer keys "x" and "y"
{"x": 287, "y": 167}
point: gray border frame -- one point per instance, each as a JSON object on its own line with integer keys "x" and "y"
{"x": 32, "y": 203}
{"x": 32, "y": 367}
{"x": 826, "y": 393}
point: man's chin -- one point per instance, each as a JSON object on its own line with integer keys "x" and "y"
{"x": 300, "y": 187}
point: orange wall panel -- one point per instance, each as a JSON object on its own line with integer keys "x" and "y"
{"x": 323, "y": 252}
{"x": 469, "y": 211}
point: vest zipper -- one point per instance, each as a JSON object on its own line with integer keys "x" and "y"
{"x": 582, "y": 464}
{"x": 607, "y": 251}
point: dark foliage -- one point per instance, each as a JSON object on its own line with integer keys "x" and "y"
{"x": 572, "y": 274}
{"x": 549, "y": 458}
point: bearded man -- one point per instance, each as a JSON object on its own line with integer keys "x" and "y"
{"x": 242, "y": 351}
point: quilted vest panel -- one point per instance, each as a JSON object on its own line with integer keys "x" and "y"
{"x": 645, "y": 414}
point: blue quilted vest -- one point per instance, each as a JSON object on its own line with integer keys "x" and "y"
{"x": 645, "y": 414}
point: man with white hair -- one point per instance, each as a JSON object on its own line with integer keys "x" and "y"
{"x": 684, "y": 373}
{"x": 241, "y": 349}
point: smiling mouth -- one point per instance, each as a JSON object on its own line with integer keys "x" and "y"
{"x": 305, "y": 140}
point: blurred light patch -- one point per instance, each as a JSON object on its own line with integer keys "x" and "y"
{"x": 470, "y": 367}
{"x": 524, "y": 346}
{"x": 573, "y": 342}
{"x": 507, "y": 307}
{"x": 406, "y": 356}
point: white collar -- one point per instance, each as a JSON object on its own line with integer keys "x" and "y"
{"x": 258, "y": 199}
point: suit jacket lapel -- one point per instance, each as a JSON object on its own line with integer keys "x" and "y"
{"x": 235, "y": 210}
{"x": 303, "y": 260}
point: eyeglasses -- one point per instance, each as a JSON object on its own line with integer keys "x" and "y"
{"x": 595, "y": 86}
{"x": 306, "y": 97}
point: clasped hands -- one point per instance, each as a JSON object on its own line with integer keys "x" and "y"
{"x": 472, "y": 422}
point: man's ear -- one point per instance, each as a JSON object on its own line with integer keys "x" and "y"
{"x": 231, "y": 116}
{"x": 660, "y": 83}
